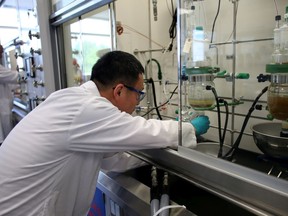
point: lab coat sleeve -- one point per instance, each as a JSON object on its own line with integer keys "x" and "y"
{"x": 120, "y": 162}
{"x": 7, "y": 75}
{"x": 103, "y": 128}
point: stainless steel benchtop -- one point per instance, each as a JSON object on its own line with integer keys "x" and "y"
{"x": 245, "y": 187}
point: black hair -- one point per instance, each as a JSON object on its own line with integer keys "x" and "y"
{"x": 116, "y": 67}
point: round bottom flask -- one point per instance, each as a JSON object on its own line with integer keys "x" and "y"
{"x": 277, "y": 97}
{"x": 198, "y": 96}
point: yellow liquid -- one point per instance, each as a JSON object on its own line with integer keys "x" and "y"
{"x": 205, "y": 103}
{"x": 278, "y": 106}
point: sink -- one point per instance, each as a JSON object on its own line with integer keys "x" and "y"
{"x": 211, "y": 148}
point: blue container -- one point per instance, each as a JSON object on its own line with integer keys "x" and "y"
{"x": 98, "y": 204}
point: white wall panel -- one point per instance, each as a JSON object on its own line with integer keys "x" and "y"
{"x": 255, "y": 20}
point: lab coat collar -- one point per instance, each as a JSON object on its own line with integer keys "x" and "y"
{"x": 91, "y": 87}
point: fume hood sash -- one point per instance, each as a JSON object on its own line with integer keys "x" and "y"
{"x": 76, "y": 9}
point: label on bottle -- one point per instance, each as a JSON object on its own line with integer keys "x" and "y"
{"x": 187, "y": 45}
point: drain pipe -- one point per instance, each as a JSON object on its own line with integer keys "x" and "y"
{"x": 165, "y": 199}
{"x": 154, "y": 192}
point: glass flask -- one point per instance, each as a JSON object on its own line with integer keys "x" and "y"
{"x": 198, "y": 95}
{"x": 277, "y": 97}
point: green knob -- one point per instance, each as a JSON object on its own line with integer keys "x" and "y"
{"x": 270, "y": 117}
{"x": 221, "y": 73}
{"x": 242, "y": 76}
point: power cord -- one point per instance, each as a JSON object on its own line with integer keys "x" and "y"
{"x": 221, "y": 136}
{"x": 218, "y": 10}
{"x": 159, "y": 68}
{"x": 172, "y": 30}
{"x": 230, "y": 154}
{"x": 154, "y": 98}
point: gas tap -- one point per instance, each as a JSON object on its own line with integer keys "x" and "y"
{"x": 19, "y": 55}
{"x": 34, "y": 68}
{"x": 30, "y": 34}
{"x": 38, "y": 83}
{"x": 32, "y": 51}
{"x": 20, "y": 68}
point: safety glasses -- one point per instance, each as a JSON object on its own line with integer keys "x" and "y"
{"x": 141, "y": 94}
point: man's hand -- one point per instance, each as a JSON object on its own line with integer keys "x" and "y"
{"x": 201, "y": 124}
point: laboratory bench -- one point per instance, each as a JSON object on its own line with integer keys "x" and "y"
{"x": 206, "y": 185}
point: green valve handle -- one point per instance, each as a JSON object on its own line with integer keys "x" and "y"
{"x": 270, "y": 117}
{"x": 221, "y": 73}
{"x": 242, "y": 76}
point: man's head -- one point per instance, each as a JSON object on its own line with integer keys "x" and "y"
{"x": 119, "y": 78}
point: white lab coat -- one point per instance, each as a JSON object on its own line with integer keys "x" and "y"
{"x": 8, "y": 79}
{"x": 50, "y": 161}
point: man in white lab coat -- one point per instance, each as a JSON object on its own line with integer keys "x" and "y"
{"x": 50, "y": 161}
{"x": 8, "y": 79}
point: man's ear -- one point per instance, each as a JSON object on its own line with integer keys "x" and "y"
{"x": 118, "y": 90}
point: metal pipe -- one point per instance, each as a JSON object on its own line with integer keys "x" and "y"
{"x": 112, "y": 15}
{"x": 150, "y": 36}
{"x": 233, "y": 68}
{"x": 149, "y": 50}
{"x": 235, "y": 131}
{"x": 243, "y": 115}
{"x": 179, "y": 22}
{"x": 149, "y": 68}
{"x": 240, "y": 41}
{"x": 245, "y": 100}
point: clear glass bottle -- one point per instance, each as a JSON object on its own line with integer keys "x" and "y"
{"x": 284, "y": 38}
{"x": 198, "y": 96}
{"x": 277, "y": 55}
{"x": 190, "y": 17}
{"x": 190, "y": 20}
